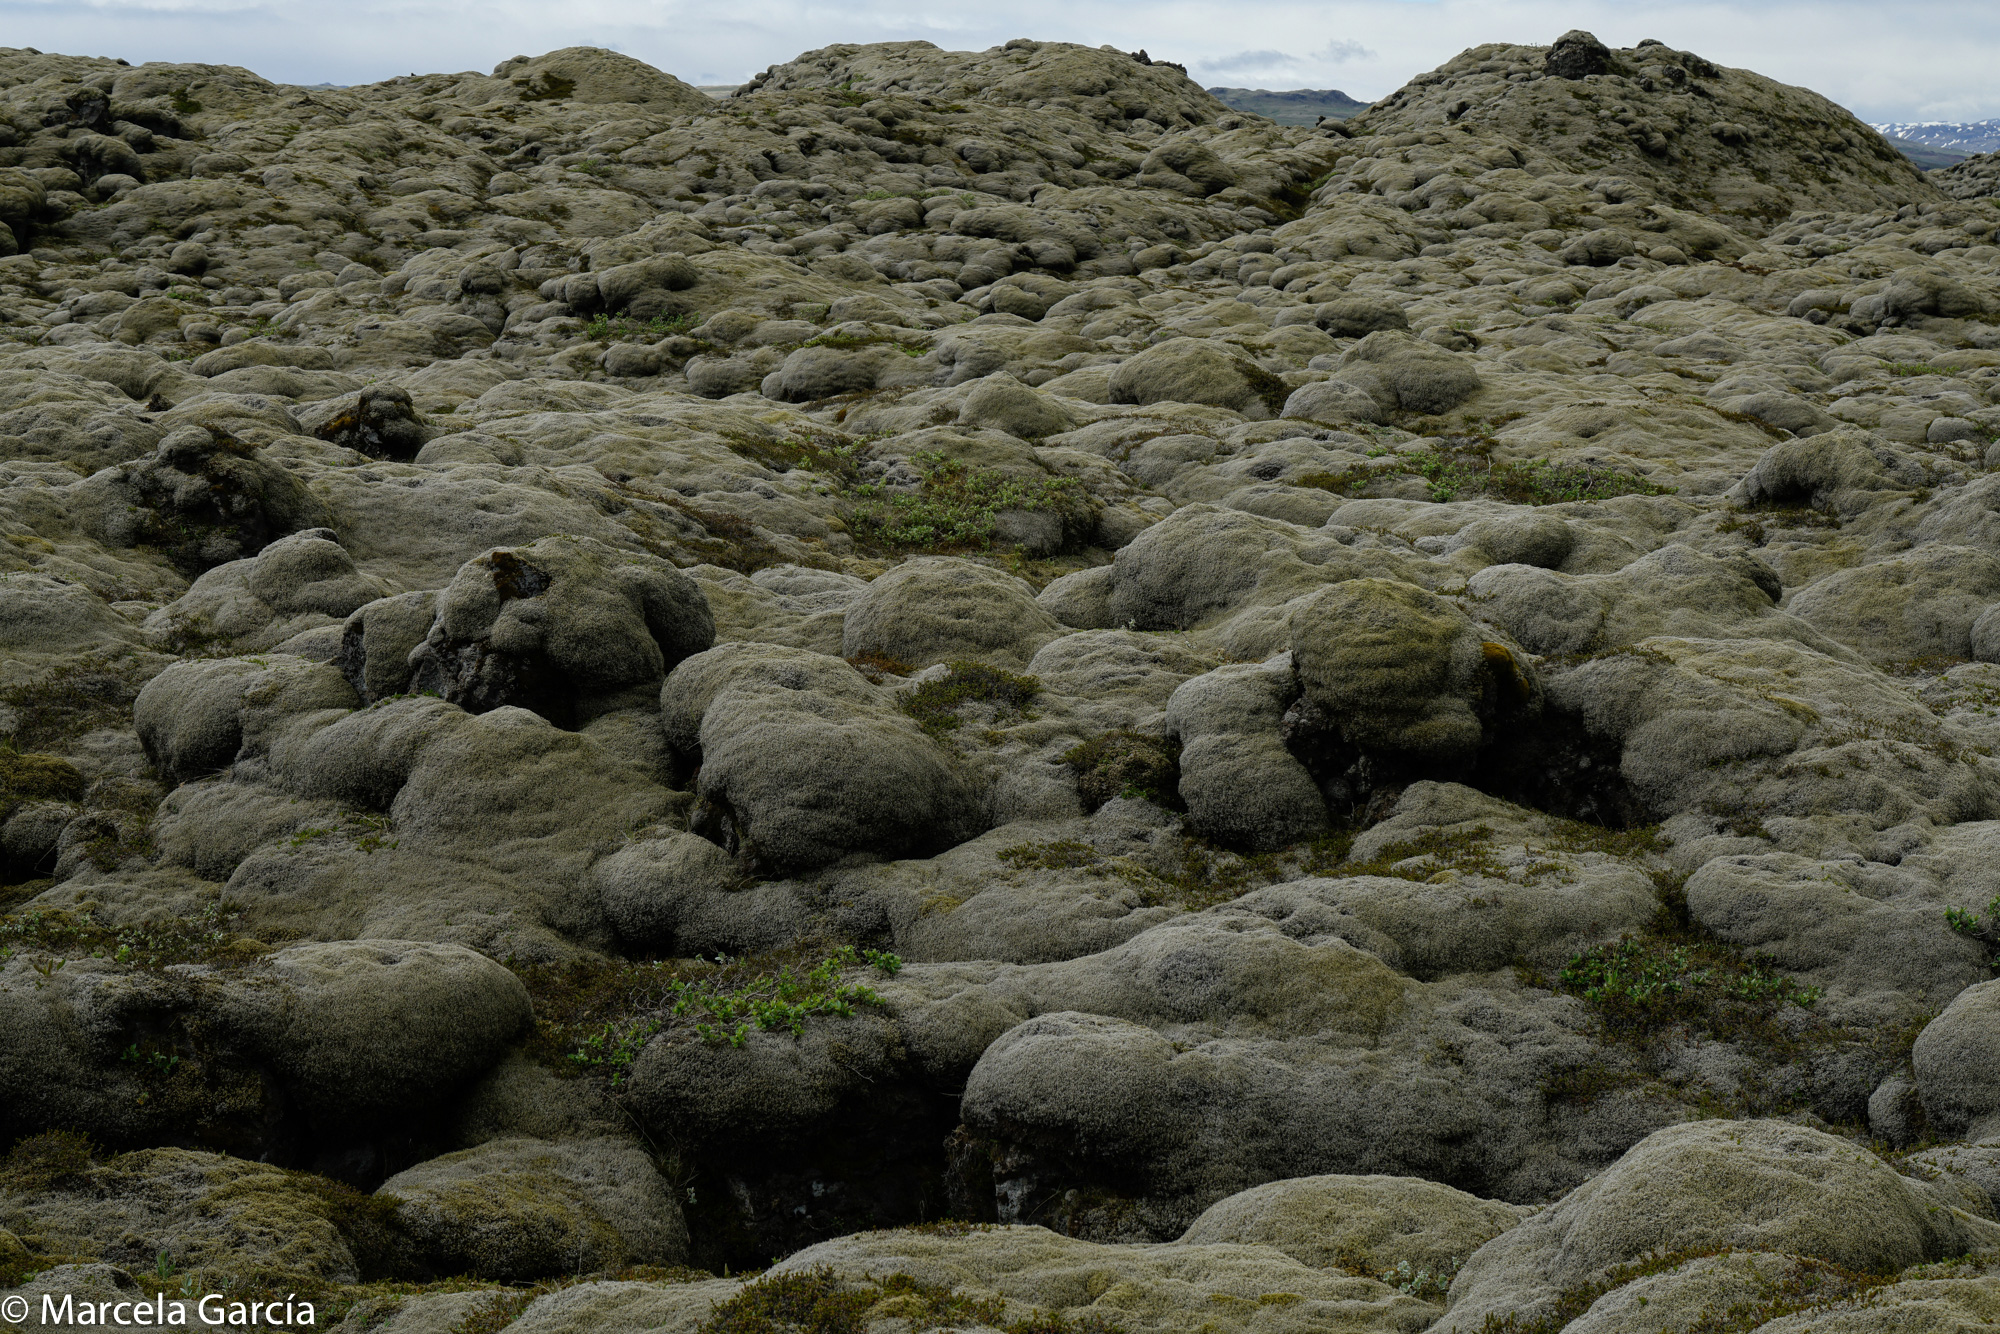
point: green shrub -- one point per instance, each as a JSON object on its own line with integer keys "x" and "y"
{"x": 205, "y": 938}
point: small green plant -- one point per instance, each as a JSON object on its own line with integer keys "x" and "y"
{"x": 1424, "y": 1284}
{"x": 722, "y": 1006}
{"x": 203, "y": 937}
{"x": 1906, "y": 369}
{"x": 1984, "y": 929}
{"x": 1644, "y": 985}
{"x": 150, "y": 1060}
{"x": 613, "y": 1048}
{"x": 935, "y": 704}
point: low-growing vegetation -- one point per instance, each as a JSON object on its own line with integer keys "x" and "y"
{"x": 935, "y": 704}
{"x": 604, "y": 1015}
{"x": 955, "y": 506}
{"x": 206, "y": 937}
{"x": 624, "y": 329}
{"x": 1126, "y": 764}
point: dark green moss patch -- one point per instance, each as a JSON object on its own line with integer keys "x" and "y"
{"x": 89, "y": 692}
{"x": 935, "y": 704}
{"x": 43, "y": 1161}
{"x": 624, "y": 329}
{"x": 545, "y": 87}
{"x": 1126, "y": 764}
{"x": 36, "y": 778}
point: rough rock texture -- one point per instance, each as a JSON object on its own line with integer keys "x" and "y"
{"x": 1382, "y": 726}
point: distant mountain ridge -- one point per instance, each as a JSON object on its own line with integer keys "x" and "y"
{"x": 1964, "y": 138}
{"x": 1297, "y": 106}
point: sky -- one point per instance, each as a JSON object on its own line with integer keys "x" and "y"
{"x": 1884, "y": 62}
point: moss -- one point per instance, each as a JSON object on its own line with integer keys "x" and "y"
{"x": 1458, "y": 472}
{"x": 1266, "y": 386}
{"x": 89, "y": 692}
{"x": 545, "y": 87}
{"x": 1065, "y": 854}
{"x": 1126, "y": 764}
{"x": 1467, "y": 851}
{"x": 207, "y": 938}
{"x": 819, "y": 1301}
{"x": 43, "y": 1161}
{"x": 596, "y": 1016}
{"x": 36, "y": 778}
{"x": 854, "y": 342}
{"x": 494, "y": 1314}
{"x": 829, "y": 456}
{"x": 1791, "y": 1284}
{"x": 367, "y": 1223}
{"x": 935, "y": 704}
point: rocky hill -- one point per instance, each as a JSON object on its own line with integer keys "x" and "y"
{"x": 1040, "y": 704}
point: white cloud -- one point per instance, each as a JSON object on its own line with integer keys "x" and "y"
{"x": 1249, "y": 62}
{"x": 1874, "y": 58}
{"x": 1334, "y": 52}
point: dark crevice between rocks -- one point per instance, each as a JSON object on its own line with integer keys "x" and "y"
{"x": 876, "y": 1162}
